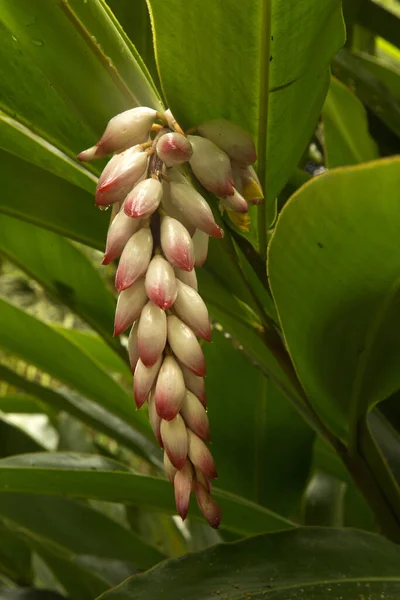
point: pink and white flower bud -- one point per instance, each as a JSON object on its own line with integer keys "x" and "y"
{"x": 170, "y": 389}
{"x": 155, "y": 420}
{"x": 231, "y": 138}
{"x": 190, "y": 308}
{"x": 170, "y": 470}
{"x": 236, "y": 202}
{"x": 194, "y": 208}
{"x": 144, "y": 378}
{"x": 187, "y": 277}
{"x": 88, "y": 155}
{"x": 119, "y": 232}
{"x": 200, "y": 455}
{"x": 175, "y": 440}
{"x": 209, "y": 508}
{"x": 120, "y": 175}
{"x": 135, "y": 259}
{"x": 195, "y": 384}
{"x": 251, "y": 186}
{"x": 185, "y": 346}
{"x": 211, "y": 166}
{"x": 129, "y": 306}
{"x": 177, "y": 244}
{"x": 161, "y": 282}
{"x": 205, "y": 482}
{"x": 144, "y": 199}
{"x": 195, "y": 416}
{"x": 170, "y": 119}
{"x": 174, "y": 149}
{"x": 133, "y": 346}
{"x": 200, "y": 243}
{"x": 172, "y": 211}
{"x": 182, "y": 488}
{"x": 127, "y": 129}
{"x": 152, "y": 333}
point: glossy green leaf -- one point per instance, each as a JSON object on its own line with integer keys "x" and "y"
{"x": 346, "y": 137}
{"x": 50, "y": 351}
{"x": 388, "y": 74}
{"x": 90, "y": 476}
{"x": 14, "y": 441}
{"x": 77, "y": 527}
{"x": 63, "y": 270}
{"x": 20, "y": 403}
{"x": 261, "y": 446}
{"x": 271, "y": 85}
{"x": 334, "y": 270}
{"x": 15, "y": 556}
{"x": 313, "y": 563}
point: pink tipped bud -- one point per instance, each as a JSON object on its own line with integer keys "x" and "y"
{"x": 177, "y": 244}
{"x": 200, "y": 243}
{"x": 120, "y": 175}
{"x": 209, "y": 508}
{"x": 212, "y": 166}
{"x": 135, "y": 259}
{"x": 175, "y": 439}
{"x": 236, "y": 202}
{"x": 144, "y": 378}
{"x": 127, "y": 129}
{"x": 195, "y": 416}
{"x": 251, "y": 186}
{"x": 194, "y": 208}
{"x": 161, "y": 283}
{"x": 170, "y": 470}
{"x": 152, "y": 334}
{"x": 195, "y": 384}
{"x": 190, "y": 308}
{"x": 205, "y": 482}
{"x": 133, "y": 347}
{"x": 129, "y": 306}
{"x": 182, "y": 487}
{"x": 200, "y": 455}
{"x": 88, "y": 155}
{"x": 231, "y": 138}
{"x": 119, "y": 232}
{"x": 144, "y": 199}
{"x": 188, "y": 277}
{"x": 171, "y": 210}
{"x": 170, "y": 389}
{"x": 185, "y": 346}
{"x": 155, "y": 420}
{"x": 174, "y": 149}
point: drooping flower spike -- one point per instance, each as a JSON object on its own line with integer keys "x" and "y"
{"x": 160, "y": 230}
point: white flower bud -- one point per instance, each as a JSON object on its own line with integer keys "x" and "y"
{"x": 155, "y": 420}
{"x": 88, "y": 155}
{"x": 182, "y": 487}
{"x": 174, "y": 149}
{"x": 175, "y": 440}
{"x": 195, "y": 416}
{"x": 231, "y": 138}
{"x": 152, "y": 333}
{"x": 133, "y": 348}
{"x": 170, "y": 470}
{"x": 119, "y": 232}
{"x": 195, "y": 384}
{"x": 144, "y": 199}
{"x": 129, "y": 306}
{"x": 200, "y": 243}
{"x": 135, "y": 259}
{"x": 211, "y": 165}
{"x": 170, "y": 389}
{"x": 200, "y": 455}
{"x": 209, "y": 508}
{"x": 194, "y": 208}
{"x": 201, "y": 478}
{"x": 190, "y": 308}
{"x": 143, "y": 380}
{"x": 185, "y": 346}
{"x": 236, "y": 202}
{"x": 120, "y": 175}
{"x": 127, "y": 129}
{"x": 188, "y": 277}
{"x": 161, "y": 282}
{"x": 172, "y": 211}
{"x": 177, "y": 244}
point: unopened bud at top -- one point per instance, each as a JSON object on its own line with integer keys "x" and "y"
{"x": 231, "y": 138}
{"x": 127, "y": 129}
{"x": 212, "y": 166}
{"x": 174, "y": 149}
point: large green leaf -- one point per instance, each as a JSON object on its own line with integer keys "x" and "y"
{"x": 15, "y": 556}
{"x": 14, "y": 441}
{"x": 346, "y": 137}
{"x": 261, "y": 446}
{"x": 311, "y": 563}
{"x": 62, "y": 269}
{"x": 50, "y": 351}
{"x": 268, "y": 84}
{"x": 91, "y": 476}
{"x": 334, "y": 272}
